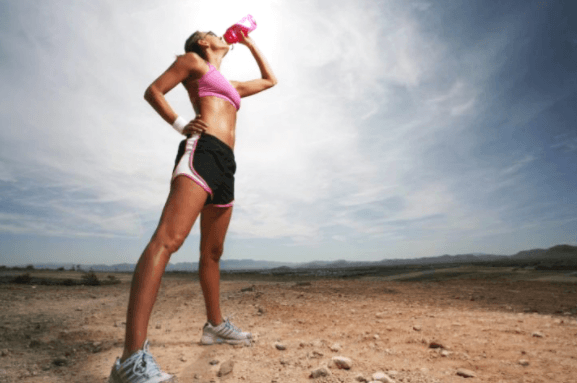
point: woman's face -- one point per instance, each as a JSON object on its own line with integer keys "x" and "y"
{"x": 213, "y": 39}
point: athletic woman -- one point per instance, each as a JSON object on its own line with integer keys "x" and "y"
{"x": 202, "y": 184}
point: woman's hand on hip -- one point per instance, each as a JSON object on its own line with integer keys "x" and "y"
{"x": 195, "y": 126}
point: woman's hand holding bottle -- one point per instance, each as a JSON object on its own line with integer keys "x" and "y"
{"x": 245, "y": 40}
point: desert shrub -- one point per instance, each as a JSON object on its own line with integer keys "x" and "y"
{"x": 60, "y": 269}
{"x": 68, "y": 282}
{"x": 22, "y": 279}
{"x": 112, "y": 279}
{"x": 30, "y": 267}
{"x": 90, "y": 279}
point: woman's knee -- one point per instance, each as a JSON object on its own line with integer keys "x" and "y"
{"x": 212, "y": 253}
{"x": 170, "y": 242}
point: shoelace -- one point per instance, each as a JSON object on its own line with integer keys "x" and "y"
{"x": 231, "y": 326}
{"x": 146, "y": 365}
{"x": 237, "y": 330}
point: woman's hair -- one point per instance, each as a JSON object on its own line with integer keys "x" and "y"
{"x": 191, "y": 44}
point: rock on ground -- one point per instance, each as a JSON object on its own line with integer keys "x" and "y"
{"x": 336, "y": 347}
{"x": 466, "y": 373}
{"x": 320, "y": 372}
{"x": 226, "y": 368}
{"x": 438, "y": 344}
{"x": 342, "y": 362}
{"x": 382, "y": 377}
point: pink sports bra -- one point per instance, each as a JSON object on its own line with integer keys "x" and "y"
{"x": 213, "y": 83}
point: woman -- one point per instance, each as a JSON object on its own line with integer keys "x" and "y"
{"x": 202, "y": 184}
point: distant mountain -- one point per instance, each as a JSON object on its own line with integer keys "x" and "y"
{"x": 320, "y": 264}
{"x": 443, "y": 259}
{"x": 121, "y": 267}
{"x": 244, "y": 264}
{"x": 230, "y": 264}
{"x": 529, "y": 254}
{"x": 561, "y": 251}
{"x": 227, "y": 264}
{"x": 560, "y": 254}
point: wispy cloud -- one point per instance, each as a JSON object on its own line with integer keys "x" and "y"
{"x": 384, "y": 129}
{"x": 566, "y": 142}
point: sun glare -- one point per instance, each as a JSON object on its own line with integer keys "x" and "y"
{"x": 219, "y": 16}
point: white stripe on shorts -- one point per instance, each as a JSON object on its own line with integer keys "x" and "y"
{"x": 185, "y": 167}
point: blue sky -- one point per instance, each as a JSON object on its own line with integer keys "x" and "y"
{"x": 398, "y": 129}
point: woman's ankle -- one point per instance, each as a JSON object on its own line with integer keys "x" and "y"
{"x": 214, "y": 323}
{"x": 128, "y": 352}
{"x": 125, "y": 356}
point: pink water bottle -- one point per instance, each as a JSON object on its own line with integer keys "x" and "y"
{"x": 246, "y": 24}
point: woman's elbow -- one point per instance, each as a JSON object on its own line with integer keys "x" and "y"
{"x": 150, "y": 93}
{"x": 147, "y": 94}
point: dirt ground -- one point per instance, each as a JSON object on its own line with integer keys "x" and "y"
{"x": 503, "y": 325}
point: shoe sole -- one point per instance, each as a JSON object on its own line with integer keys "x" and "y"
{"x": 114, "y": 378}
{"x": 210, "y": 341}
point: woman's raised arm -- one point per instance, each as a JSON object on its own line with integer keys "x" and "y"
{"x": 268, "y": 80}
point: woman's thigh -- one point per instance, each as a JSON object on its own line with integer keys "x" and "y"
{"x": 185, "y": 202}
{"x": 214, "y": 223}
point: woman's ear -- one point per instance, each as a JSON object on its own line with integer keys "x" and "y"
{"x": 203, "y": 43}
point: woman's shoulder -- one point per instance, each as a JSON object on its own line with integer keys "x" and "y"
{"x": 191, "y": 59}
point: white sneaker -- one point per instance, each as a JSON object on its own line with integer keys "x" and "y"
{"x": 140, "y": 367}
{"x": 225, "y": 332}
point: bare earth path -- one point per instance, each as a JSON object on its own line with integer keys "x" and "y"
{"x": 509, "y": 326}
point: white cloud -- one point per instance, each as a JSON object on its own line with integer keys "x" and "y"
{"x": 566, "y": 142}
{"x": 350, "y": 145}
{"x": 462, "y": 109}
{"x": 422, "y": 6}
{"x": 5, "y": 173}
{"x": 518, "y": 165}
{"x": 299, "y": 149}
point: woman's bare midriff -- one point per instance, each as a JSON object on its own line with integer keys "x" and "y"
{"x": 218, "y": 113}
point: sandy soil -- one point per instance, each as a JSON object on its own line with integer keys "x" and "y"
{"x": 504, "y": 325}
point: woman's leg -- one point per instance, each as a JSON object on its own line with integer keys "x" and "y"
{"x": 184, "y": 203}
{"x": 213, "y": 227}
